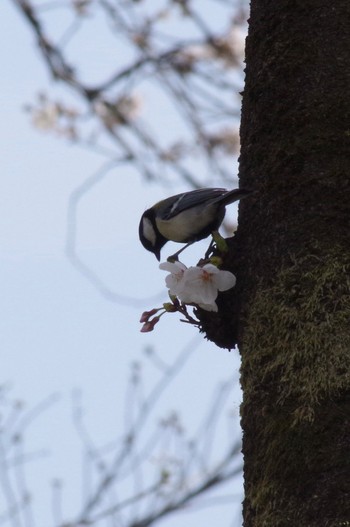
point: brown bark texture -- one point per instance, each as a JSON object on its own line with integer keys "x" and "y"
{"x": 292, "y": 260}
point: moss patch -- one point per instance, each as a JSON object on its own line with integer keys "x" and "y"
{"x": 298, "y": 333}
{"x": 296, "y": 381}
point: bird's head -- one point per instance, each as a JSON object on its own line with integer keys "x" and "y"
{"x": 149, "y": 235}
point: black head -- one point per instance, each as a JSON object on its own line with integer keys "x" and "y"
{"x": 149, "y": 235}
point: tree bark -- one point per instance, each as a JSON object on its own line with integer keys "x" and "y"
{"x": 293, "y": 246}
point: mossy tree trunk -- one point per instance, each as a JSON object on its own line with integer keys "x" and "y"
{"x": 294, "y": 241}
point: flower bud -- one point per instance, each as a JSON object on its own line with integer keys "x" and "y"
{"x": 149, "y": 325}
{"x": 147, "y": 314}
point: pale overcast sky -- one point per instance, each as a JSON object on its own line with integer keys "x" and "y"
{"x": 58, "y": 334}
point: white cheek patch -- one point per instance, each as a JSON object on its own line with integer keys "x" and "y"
{"x": 148, "y": 231}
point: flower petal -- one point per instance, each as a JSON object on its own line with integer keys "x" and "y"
{"x": 212, "y": 269}
{"x": 209, "y": 307}
{"x": 198, "y": 286}
{"x": 174, "y": 279}
{"x": 225, "y": 280}
{"x": 172, "y": 267}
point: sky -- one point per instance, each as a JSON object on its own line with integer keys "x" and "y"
{"x": 60, "y": 338}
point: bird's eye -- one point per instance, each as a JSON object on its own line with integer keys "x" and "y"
{"x": 148, "y": 231}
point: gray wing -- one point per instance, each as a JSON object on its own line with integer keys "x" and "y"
{"x": 181, "y": 202}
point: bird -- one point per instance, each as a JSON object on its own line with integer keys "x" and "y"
{"x": 185, "y": 218}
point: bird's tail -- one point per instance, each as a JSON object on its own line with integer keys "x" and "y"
{"x": 234, "y": 195}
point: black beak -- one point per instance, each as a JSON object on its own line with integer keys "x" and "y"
{"x": 157, "y": 254}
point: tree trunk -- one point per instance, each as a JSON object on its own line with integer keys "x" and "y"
{"x": 294, "y": 238}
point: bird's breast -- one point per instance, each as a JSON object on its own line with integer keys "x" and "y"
{"x": 191, "y": 224}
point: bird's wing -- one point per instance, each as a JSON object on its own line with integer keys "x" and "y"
{"x": 191, "y": 199}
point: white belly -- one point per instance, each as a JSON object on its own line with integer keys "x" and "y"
{"x": 181, "y": 227}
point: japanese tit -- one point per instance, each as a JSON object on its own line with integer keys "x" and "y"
{"x": 185, "y": 218}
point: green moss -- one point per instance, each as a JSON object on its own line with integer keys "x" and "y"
{"x": 298, "y": 333}
{"x": 296, "y": 381}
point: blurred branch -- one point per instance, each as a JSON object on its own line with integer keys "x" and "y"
{"x": 184, "y": 475}
{"x": 15, "y": 495}
{"x": 55, "y": 60}
{"x": 135, "y": 429}
{"x": 71, "y": 241}
{"x": 199, "y": 75}
{"x": 168, "y": 107}
{"x": 196, "y": 79}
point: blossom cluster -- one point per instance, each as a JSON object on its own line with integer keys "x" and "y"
{"x": 197, "y": 285}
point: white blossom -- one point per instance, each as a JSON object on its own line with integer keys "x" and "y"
{"x": 118, "y": 112}
{"x": 197, "y": 285}
{"x": 46, "y": 117}
{"x": 202, "y": 285}
{"x": 174, "y": 280}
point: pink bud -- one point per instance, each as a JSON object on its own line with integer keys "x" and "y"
{"x": 149, "y": 325}
{"x": 144, "y": 316}
{"x": 147, "y": 314}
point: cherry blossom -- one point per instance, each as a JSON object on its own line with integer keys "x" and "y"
{"x": 174, "y": 280}
{"x": 197, "y": 285}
